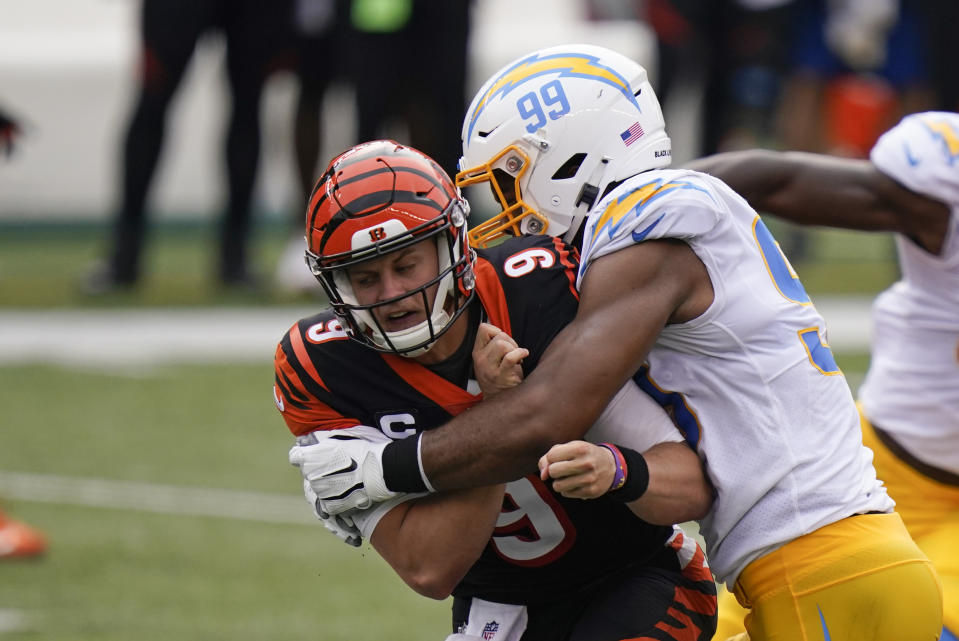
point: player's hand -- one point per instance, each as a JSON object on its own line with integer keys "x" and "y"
{"x": 497, "y": 360}
{"x": 579, "y": 470}
{"x": 341, "y": 525}
{"x": 344, "y": 467}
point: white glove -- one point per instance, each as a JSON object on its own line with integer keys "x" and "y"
{"x": 344, "y": 467}
{"x": 341, "y": 525}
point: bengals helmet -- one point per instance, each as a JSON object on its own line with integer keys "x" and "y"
{"x": 552, "y": 130}
{"x": 374, "y": 199}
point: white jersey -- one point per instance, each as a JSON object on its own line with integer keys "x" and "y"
{"x": 912, "y": 388}
{"x": 752, "y": 381}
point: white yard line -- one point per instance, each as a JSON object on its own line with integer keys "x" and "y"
{"x": 144, "y": 336}
{"x": 13, "y": 621}
{"x": 151, "y": 497}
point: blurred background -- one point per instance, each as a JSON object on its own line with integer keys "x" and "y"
{"x": 155, "y": 158}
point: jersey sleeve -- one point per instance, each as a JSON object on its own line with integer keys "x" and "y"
{"x": 635, "y": 420}
{"x": 922, "y": 153}
{"x": 528, "y": 289}
{"x": 367, "y": 520}
{"x": 678, "y": 204}
{"x": 298, "y": 390}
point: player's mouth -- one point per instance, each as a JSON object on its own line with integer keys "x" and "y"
{"x": 398, "y": 320}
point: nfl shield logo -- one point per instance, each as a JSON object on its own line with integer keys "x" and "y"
{"x": 489, "y": 630}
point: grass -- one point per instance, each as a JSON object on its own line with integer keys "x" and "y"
{"x": 113, "y": 574}
{"x": 41, "y": 265}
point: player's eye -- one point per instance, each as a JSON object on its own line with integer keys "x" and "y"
{"x": 362, "y": 280}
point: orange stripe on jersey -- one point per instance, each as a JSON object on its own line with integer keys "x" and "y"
{"x": 491, "y": 295}
{"x": 696, "y": 601}
{"x": 688, "y": 632}
{"x": 571, "y": 262}
{"x": 281, "y": 365}
{"x": 296, "y": 340}
{"x": 450, "y": 397}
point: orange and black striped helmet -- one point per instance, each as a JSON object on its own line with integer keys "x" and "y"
{"x": 377, "y": 198}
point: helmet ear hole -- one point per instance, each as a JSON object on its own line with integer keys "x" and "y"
{"x": 569, "y": 168}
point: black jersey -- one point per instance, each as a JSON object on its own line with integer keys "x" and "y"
{"x": 544, "y": 545}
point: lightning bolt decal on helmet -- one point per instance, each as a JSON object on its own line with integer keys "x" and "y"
{"x": 551, "y": 130}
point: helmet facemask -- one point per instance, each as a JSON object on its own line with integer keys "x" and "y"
{"x": 504, "y": 173}
{"x": 454, "y": 284}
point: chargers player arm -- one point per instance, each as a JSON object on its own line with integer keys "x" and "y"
{"x": 675, "y": 486}
{"x": 815, "y": 189}
{"x": 626, "y": 299}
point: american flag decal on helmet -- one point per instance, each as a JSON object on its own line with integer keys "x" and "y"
{"x": 631, "y": 135}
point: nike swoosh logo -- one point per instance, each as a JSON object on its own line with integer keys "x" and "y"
{"x": 825, "y": 630}
{"x": 639, "y": 236}
{"x": 349, "y": 468}
{"x": 912, "y": 160}
{"x": 358, "y": 486}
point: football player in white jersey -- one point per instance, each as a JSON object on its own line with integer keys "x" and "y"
{"x": 909, "y": 402}
{"x": 684, "y": 290}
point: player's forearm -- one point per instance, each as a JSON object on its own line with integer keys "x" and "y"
{"x": 805, "y": 188}
{"x": 501, "y": 439}
{"x": 678, "y": 489}
{"x": 433, "y": 541}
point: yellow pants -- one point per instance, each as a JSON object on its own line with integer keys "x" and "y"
{"x": 930, "y": 511}
{"x": 859, "y": 579}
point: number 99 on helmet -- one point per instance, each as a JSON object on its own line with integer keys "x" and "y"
{"x": 552, "y": 130}
{"x": 376, "y": 199}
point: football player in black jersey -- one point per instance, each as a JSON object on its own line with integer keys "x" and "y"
{"x": 386, "y": 232}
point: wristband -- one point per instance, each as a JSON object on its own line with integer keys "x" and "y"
{"x": 619, "y": 477}
{"x": 636, "y": 474}
{"x": 401, "y": 466}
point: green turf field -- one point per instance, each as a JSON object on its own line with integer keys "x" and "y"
{"x": 121, "y": 574}
{"x": 41, "y": 264}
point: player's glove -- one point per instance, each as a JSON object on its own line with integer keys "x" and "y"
{"x": 344, "y": 467}
{"x": 341, "y": 525}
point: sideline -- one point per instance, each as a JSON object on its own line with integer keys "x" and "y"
{"x": 154, "y": 337}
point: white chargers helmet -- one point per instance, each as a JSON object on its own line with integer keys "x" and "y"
{"x": 550, "y": 132}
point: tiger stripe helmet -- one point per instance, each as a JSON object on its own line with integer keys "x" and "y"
{"x": 377, "y": 198}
